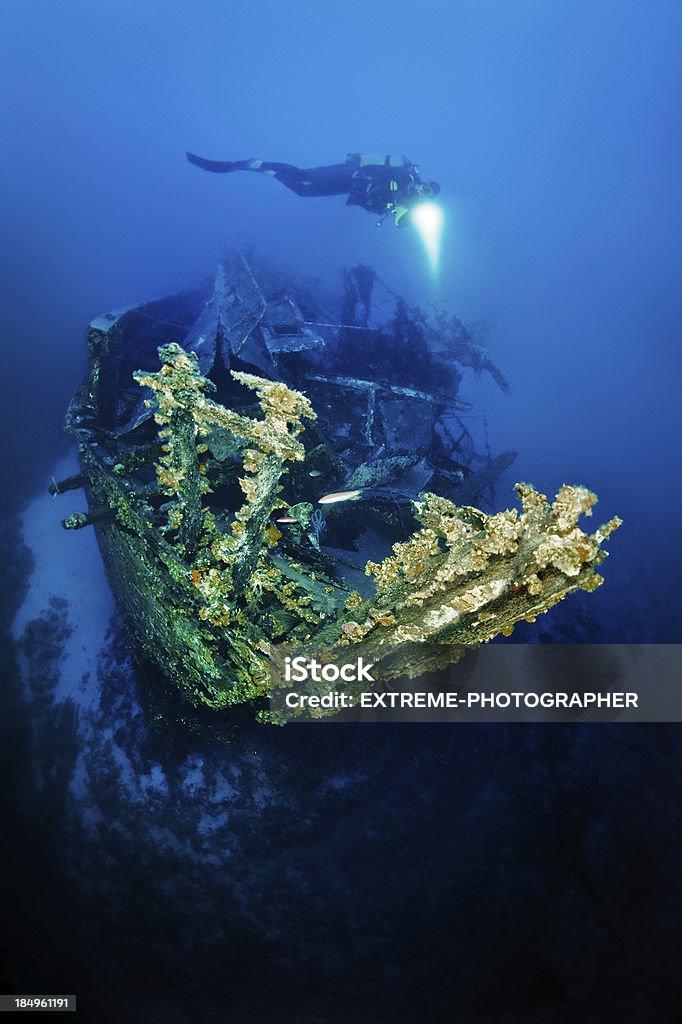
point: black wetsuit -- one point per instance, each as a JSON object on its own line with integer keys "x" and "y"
{"x": 379, "y": 185}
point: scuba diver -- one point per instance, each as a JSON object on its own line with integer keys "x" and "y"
{"x": 388, "y": 186}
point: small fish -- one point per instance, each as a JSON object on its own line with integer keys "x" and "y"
{"x": 331, "y": 499}
{"x": 315, "y": 472}
{"x": 286, "y": 519}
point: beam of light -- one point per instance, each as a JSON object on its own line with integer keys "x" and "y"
{"x": 428, "y": 220}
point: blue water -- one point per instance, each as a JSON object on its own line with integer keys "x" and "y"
{"x": 553, "y": 130}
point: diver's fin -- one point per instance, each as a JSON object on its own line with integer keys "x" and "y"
{"x": 219, "y": 166}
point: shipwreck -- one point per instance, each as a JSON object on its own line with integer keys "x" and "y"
{"x": 211, "y": 423}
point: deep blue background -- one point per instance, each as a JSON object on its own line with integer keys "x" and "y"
{"x": 554, "y": 130}
{"x": 552, "y": 127}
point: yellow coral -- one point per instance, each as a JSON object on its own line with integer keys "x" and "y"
{"x": 466, "y": 576}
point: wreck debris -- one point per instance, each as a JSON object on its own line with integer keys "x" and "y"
{"x": 227, "y": 321}
{"x": 478, "y": 481}
{"x": 460, "y": 580}
{"x": 79, "y": 520}
{"x": 208, "y": 526}
{"x": 70, "y": 483}
{"x": 358, "y": 284}
{"x": 462, "y": 343}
